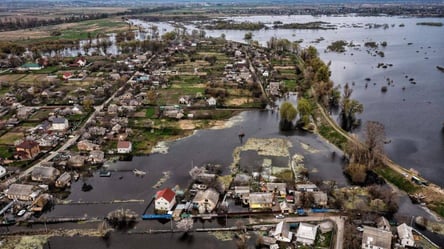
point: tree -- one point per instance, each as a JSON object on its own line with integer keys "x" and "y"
{"x": 349, "y": 109}
{"x": 357, "y": 172}
{"x": 248, "y": 36}
{"x": 305, "y": 110}
{"x": 288, "y": 114}
{"x": 374, "y": 136}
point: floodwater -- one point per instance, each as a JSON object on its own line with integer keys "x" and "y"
{"x": 413, "y": 118}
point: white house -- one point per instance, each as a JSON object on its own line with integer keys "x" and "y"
{"x": 206, "y": 201}
{"x": 282, "y": 232}
{"x": 405, "y": 235}
{"x": 211, "y": 101}
{"x": 165, "y": 200}
{"x": 2, "y": 171}
{"x": 306, "y": 233}
{"x": 124, "y": 147}
{"x": 375, "y": 238}
{"x": 60, "y": 124}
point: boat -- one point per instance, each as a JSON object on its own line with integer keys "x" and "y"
{"x": 139, "y": 172}
{"x": 440, "y": 68}
{"x": 104, "y": 173}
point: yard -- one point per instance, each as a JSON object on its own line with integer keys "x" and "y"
{"x": 10, "y": 137}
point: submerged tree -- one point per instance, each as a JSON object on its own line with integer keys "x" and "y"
{"x": 288, "y": 113}
{"x": 374, "y": 135}
{"x": 349, "y": 109}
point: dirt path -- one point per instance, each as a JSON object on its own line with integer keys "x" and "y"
{"x": 387, "y": 161}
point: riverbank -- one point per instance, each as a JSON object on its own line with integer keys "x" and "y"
{"x": 393, "y": 173}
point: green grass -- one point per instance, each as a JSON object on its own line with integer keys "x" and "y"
{"x": 150, "y": 112}
{"x": 438, "y": 208}
{"x": 290, "y": 84}
{"x": 332, "y": 136}
{"x": 6, "y": 152}
{"x": 47, "y": 70}
{"x": 325, "y": 242}
{"x": 397, "y": 179}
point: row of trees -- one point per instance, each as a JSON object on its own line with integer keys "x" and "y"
{"x": 22, "y": 22}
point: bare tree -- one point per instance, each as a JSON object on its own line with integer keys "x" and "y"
{"x": 374, "y": 136}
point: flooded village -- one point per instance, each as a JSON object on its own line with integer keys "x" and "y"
{"x": 180, "y": 139}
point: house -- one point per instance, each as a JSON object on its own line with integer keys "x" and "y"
{"x": 306, "y": 233}
{"x": 320, "y": 198}
{"x": 282, "y": 232}
{"x": 60, "y": 124}
{"x": 259, "y": 201}
{"x": 2, "y": 172}
{"x": 278, "y": 188}
{"x": 76, "y": 161}
{"x": 306, "y": 187}
{"x": 27, "y": 149}
{"x": 124, "y": 147}
{"x": 286, "y": 208}
{"x": 375, "y": 238}
{"x": 206, "y": 201}
{"x": 96, "y": 157}
{"x": 64, "y": 180}
{"x": 405, "y": 235}
{"x": 211, "y": 101}
{"x": 67, "y": 75}
{"x": 31, "y": 66}
{"x": 383, "y": 223}
{"x": 165, "y": 200}
{"x": 22, "y": 192}
{"x": 80, "y": 61}
{"x": 274, "y": 88}
{"x": 44, "y": 174}
{"x": 86, "y": 145}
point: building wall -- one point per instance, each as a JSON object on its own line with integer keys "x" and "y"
{"x": 164, "y": 205}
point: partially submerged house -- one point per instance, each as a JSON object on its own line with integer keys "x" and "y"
{"x": 124, "y": 147}
{"x": 206, "y": 201}
{"x": 260, "y": 201}
{"x": 22, "y": 192}
{"x": 405, "y": 235}
{"x": 165, "y": 200}
{"x": 64, "y": 180}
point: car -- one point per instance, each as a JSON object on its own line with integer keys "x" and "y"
{"x": 280, "y": 216}
{"x": 360, "y": 229}
{"x": 21, "y": 212}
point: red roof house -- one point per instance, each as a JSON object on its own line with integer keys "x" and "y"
{"x": 165, "y": 200}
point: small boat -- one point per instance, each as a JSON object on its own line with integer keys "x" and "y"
{"x": 104, "y": 173}
{"x": 139, "y": 172}
{"x": 440, "y": 68}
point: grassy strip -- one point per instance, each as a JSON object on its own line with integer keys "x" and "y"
{"x": 332, "y": 136}
{"x": 397, "y": 179}
{"x": 438, "y": 208}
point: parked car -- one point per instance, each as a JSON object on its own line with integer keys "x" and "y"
{"x": 280, "y": 216}
{"x": 21, "y": 212}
